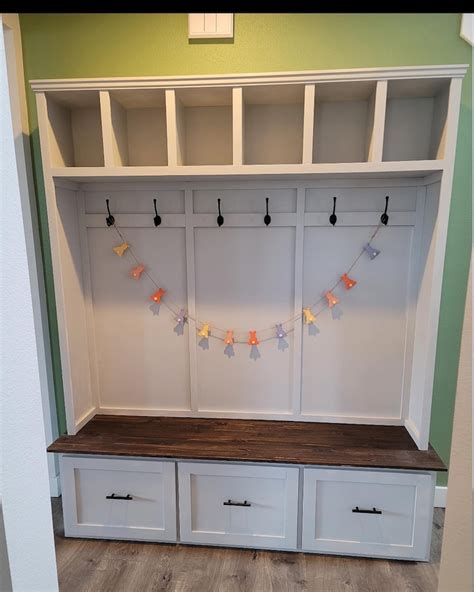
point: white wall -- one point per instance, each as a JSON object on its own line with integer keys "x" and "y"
{"x": 33, "y": 246}
{"x": 456, "y": 559}
{"x": 25, "y": 481}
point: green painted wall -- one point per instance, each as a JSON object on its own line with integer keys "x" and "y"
{"x": 88, "y": 45}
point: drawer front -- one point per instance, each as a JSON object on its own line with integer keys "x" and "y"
{"x": 119, "y": 498}
{"x": 374, "y": 513}
{"x": 239, "y": 505}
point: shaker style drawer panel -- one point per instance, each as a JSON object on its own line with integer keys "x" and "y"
{"x": 119, "y": 498}
{"x": 239, "y": 505}
{"x": 373, "y": 513}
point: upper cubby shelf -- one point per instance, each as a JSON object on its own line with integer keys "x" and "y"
{"x": 137, "y": 134}
{"x": 254, "y": 124}
{"x": 415, "y": 122}
{"x": 343, "y": 121}
{"x": 273, "y": 124}
{"x": 203, "y": 125}
{"x": 75, "y": 137}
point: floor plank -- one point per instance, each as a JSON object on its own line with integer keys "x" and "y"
{"x": 86, "y": 565}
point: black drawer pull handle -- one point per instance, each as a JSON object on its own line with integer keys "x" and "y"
{"x": 244, "y": 504}
{"x": 127, "y": 497}
{"x": 357, "y": 510}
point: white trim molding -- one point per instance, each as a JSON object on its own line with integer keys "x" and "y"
{"x": 441, "y": 493}
{"x": 303, "y": 77}
{"x": 467, "y": 27}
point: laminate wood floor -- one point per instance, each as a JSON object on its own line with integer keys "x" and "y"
{"x": 86, "y": 565}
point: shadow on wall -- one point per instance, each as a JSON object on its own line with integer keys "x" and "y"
{"x": 5, "y": 578}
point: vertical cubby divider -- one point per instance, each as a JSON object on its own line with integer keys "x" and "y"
{"x": 174, "y": 149}
{"x": 106, "y": 122}
{"x": 375, "y": 131}
{"x": 308, "y": 123}
{"x": 237, "y": 126}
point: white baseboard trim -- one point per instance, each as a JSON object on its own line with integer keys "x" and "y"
{"x": 55, "y": 486}
{"x": 440, "y": 496}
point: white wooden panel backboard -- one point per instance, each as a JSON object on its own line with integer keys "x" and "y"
{"x": 353, "y": 367}
{"x": 142, "y": 363}
{"x": 74, "y": 330}
{"x": 135, "y": 201}
{"x": 243, "y": 201}
{"x": 245, "y": 279}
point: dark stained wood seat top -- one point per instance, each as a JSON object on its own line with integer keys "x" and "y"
{"x": 249, "y": 440}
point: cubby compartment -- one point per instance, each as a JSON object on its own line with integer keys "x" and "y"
{"x": 343, "y": 121}
{"x": 75, "y": 130}
{"x": 204, "y": 126}
{"x": 273, "y": 124}
{"x": 138, "y": 127}
{"x": 415, "y": 119}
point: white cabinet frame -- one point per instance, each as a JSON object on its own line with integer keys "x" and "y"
{"x": 424, "y": 486}
{"x": 81, "y": 399}
{"x": 71, "y": 502}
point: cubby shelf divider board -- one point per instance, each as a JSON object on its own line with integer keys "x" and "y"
{"x": 299, "y": 138}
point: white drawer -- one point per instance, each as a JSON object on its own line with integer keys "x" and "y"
{"x": 93, "y": 504}
{"x": 339, "y": 516}
{"x": 266, "y": 516}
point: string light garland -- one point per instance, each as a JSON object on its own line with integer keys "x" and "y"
{"x": 253, "y": 340}
{"x": 332, "y": 300}
{"x": 371, "y": 251}
{"x": 229, "y": 338}
{"x": 120, "y": 249}
{"x": 180, "y": 320}
{"x": 204, "y": 331}
{"x": 158, "y": 295}
{"x": 307, "y": 315}
{"x": 137, "y": 271}
{"x": 348, "y": 282}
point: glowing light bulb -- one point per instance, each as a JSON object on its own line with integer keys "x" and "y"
{"x": 308, "y": 316}
{"x": 253, "y": 338}
{"x": 120, "y": 249}
{"x": 371, "y": 251}
{"x": 158, "y": 295}
{"x": 229, "y": 337}
{"x": 137, "y": 271}
{"x": 332, "y": 300}
{"x": 348, "y": 282}
{"x": 280, "y": 332}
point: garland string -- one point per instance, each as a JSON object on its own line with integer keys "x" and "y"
{"x": 289, "y": 321}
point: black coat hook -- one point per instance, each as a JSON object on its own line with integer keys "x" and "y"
{"x": 333, "y": 217}
{"x": 384, "y": 216}
{"x": 110, "y": 219}
{"x": 267, "y": 219}
{"x": 157, "y": 218}
{"x": 220, "y": 217}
